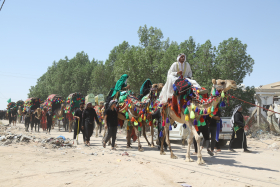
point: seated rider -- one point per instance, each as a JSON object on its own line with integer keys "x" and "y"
{"x": 177, "y": 69}
{"x": 115, "y": 92}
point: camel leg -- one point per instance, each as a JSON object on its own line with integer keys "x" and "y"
{"x": 139, "y": 144}
{"x": 58, "y": 125}
{"x": 162, "y": 139}
{"x": 166, "y": 128}
{"x": 144, "y": 134}
{"x": 198, "y": 139}
{"x": 152, "y": 136}
{"x": 128, "y": 138}
{"x": 183, "y": 142}
{"x": 190, "y": 141}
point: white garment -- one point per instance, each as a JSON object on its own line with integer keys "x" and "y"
{"x": 172, "y": 76}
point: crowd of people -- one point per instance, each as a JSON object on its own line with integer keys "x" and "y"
{"x": 85, "y": 115}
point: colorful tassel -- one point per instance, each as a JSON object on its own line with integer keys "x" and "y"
{"x": 187, "y": 118}
{"x": 223, "y": 104}
{"x": 193, "y": 106}
{"x": 209, "y": 110}
{"x": 217, "y": 93}
{"x": 189, "y": 102}
{"x": 139, "y": 128}
{"x": 194, "y": 122}
{"x": 128, "y": 123}
{"x": 160, "y": 134}
{"x": 201, "y": 119}
{"x": 205, "y": 111}
{"x": 184, "y": 106}
{"x": 204, "y": 117}
{"x": 186, "y": 111}
{"x": 135, "y": 109}
{"x": 132, "y": 119}
{"x": 170, "y": 127}
{"x": 223, "y": 94}
{"x": 167, "y": 120}
{"x": 185, "y": 126}
{"x": 192, "y": 116}
{"x": 214, "y": 92}
{"x": 150, "y": 123}
{"x": 139, "y": 119}
{"x": 196, "y": 110}
{"x": 201, "y": 112}
{"x": 163, "y": 123}
{"x": 135, "y": 123}
{"x": 212, "y": 109}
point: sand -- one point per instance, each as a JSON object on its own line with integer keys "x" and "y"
{"x": 29, "y": 164}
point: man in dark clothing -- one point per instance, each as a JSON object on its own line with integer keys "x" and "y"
{"x": 212, "y": 130}
{"x": 49, "y": 120}
{"x": 27, "y": 119}
{"x": 14, "y": 115}
{"x": 111, "y": 122}
{"x": 32, "y": 119}
{"x": 10, "y": 116}
{"x": 37, "y": 118}
{"x": 238, "y": 138}
{"x": 79, "y": 119}
{"x": 89, "y": 115}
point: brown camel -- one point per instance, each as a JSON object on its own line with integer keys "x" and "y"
{"x": 220, "y": 85}
{"x": 133, "y": 115}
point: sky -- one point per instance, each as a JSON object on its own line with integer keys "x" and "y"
{"x": 33, "y": 34}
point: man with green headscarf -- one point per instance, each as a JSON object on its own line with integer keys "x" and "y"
{"x": 121, "y": 84}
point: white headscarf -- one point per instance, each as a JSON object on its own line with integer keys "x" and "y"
{"x": 181, "y": 65}
{"x": 234, "y": 112}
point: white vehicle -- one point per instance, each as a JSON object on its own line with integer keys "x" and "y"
{"x": 226, "y": 133}
{"x": 179, "y": 132}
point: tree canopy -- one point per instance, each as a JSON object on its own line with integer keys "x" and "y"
{"x": 151, "y": 59}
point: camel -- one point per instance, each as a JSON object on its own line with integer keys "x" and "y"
{"x": 134, "y": 116}
{"x": 58, "y": 115}
{"x": 194, "y": 106}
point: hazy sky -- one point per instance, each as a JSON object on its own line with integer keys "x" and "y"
{"x": 33, "y": 34}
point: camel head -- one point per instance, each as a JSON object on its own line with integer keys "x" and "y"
{"x": 224, "y": 85}
{"x": 19, "y": 107}
{"x": 62, "y": 106}
{"x": 158, "y": 87}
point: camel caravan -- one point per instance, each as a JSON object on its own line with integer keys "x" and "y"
{"x": 181, "y": 99}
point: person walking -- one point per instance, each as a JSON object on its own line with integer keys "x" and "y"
{"x": 14, "y": 116}
{"x": 44, "y": 119}
{"x": 27, "y": 119}
{"x": 212, "y": 130}
{"x": 37, "y": 118}
{"x": 111, "y": 122}
{"x": 89, "y": 115}
{"x": 238, "y": 138}
{"x": 79, "y": 120}
{"x": 49, "y": 120}
{"x": 32, "y": 119}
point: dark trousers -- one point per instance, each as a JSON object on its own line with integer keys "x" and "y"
{"x": 27, "y": 121}
{"x": 112, "y": 133}
{"x": 10, "y": 120}
{"x": 37, "y": 122}
{"x": 76, "y": 131}
{"x": 212, "y": 131}
{"x": 32, "y": 124}
{"x": 88, "y": 130}
{"x": 205, "y": 134}
{"x": 49, "y": 126}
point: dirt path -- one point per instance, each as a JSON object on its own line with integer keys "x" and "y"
{"x": 30, "y": 165}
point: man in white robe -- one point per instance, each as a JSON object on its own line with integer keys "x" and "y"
{"x": 181, "y": 67}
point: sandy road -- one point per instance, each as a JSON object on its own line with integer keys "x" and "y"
{"x": 31, "y": 165}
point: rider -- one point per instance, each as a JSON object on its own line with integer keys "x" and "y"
{"x": 177, "y": 69}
